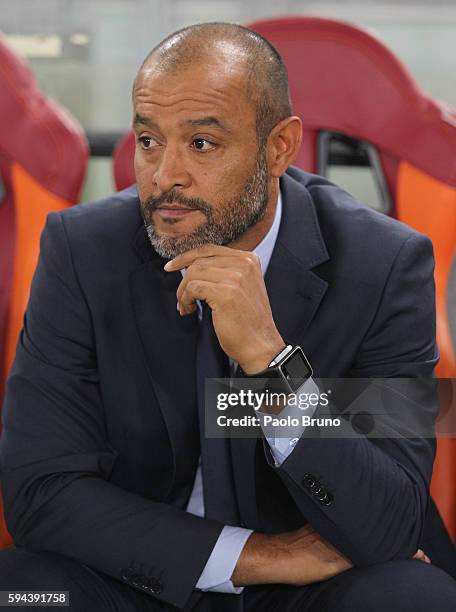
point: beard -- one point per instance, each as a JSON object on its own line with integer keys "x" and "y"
{"x": 225, "y": 222}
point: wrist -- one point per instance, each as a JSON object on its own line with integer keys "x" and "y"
{"x": 256, "y": 562}
{"x": 261, "y": 359}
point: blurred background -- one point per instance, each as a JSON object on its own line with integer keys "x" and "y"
{"x": 85, "y": 53}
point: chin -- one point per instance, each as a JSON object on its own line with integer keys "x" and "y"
{"x": 172, "y": 232}
{"x": 170, "y": 244}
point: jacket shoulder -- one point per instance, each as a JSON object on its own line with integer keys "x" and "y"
{"x": 115, "y": 214}
{"x": 102, "y": 232}
{"x": 345, "y": 221}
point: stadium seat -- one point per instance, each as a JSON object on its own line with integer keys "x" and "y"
{"x": 43, "y": 157}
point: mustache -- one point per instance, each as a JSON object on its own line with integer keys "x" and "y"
{"x": 174, "y": 197}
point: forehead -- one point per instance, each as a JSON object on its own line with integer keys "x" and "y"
{"x": 211, "y": 89}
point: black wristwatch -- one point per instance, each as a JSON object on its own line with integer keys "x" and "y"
{"x": 287, "y": 372}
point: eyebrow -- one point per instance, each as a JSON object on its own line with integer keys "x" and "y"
{"x": 204, "y": 121}
{"x": 140, "y": 120}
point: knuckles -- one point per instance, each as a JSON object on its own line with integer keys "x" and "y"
{"x": 252, "y": 261}
{"x": 236, "y": 276}
{"x": 230, "y": 294}
{"x": 193, "y": 286}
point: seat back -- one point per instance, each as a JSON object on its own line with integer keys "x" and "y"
{"x": 43, "y": 156}
{"x": 344, "y": 80}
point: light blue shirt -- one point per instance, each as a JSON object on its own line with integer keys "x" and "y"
{"x": 225, "y": 554}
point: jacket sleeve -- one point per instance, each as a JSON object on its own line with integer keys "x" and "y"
{"x": 368, "y": 495}
{"x": 56, "y": 461}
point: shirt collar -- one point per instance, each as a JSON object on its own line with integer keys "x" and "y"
{"x": 266, "y": 246}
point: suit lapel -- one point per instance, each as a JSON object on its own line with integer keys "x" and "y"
{"x": 169, "y": 345}
{"x": 294, "y": 292}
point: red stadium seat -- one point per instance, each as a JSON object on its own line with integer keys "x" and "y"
{"x": 124, "y": 152}
{"x": 43, "y": 157}
{"x": 345, "y": 81}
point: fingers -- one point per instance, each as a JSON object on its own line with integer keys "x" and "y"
{"x": 421, "y": 556}
{"x": 208, "y": 251}
{"x": 216, "y": 261}
{"x": 242, "y": 262}
{"x": 204, "y": 284}
{"x": 224, "y": 272}
{"x": 200, "y": 289}
{"x": 192, "y": 290}
{"x": 209, "y": 274}
{"x": 213, "y": 264}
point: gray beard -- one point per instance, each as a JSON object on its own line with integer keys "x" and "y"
{"x": 224, "y": 225}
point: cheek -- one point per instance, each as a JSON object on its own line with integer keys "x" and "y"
{"x": 140, "y": 164}
{"x": 144, "y": 173}
{"x": 232, "y": 177}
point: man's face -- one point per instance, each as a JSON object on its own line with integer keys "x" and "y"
{"x": 200, "y": 174}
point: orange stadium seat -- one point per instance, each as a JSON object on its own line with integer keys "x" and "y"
{"x": 43, "y": 157}
{"x": 345, "y": 81}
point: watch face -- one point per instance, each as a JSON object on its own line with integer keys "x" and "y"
{"x": 296, "y": 369}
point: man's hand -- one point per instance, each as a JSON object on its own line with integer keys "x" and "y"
{"x": 231, "y": 283}
{"x": 297, "y": 557}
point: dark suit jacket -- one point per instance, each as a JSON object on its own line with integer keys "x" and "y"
{"x": 100, "y": 443}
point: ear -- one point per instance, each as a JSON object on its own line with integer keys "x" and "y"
{"x": 283, "y": 145}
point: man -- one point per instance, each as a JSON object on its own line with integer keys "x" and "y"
{"x": 110, "y": 492}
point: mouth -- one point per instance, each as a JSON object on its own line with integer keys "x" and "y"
{"x": 174, "y": 210}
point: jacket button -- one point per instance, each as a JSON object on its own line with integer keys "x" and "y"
{"x": 316, "y": 488}
{"x": 309, "y": 480}
{"x": 156, "y": 586}
{"x": 328, "y": 500}
{"x": 321, "y": 493}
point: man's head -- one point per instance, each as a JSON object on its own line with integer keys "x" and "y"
{"x": 214, "y": 131}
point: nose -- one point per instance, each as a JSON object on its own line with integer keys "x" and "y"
{"x": 171, "y": 171}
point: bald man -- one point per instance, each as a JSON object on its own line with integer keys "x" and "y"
{"x": 222, "y": 255}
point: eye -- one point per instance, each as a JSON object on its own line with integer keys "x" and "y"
{"x": 147, "y": 142}
{"x": 202, "y": 144}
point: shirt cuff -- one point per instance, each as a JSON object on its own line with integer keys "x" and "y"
{"x": 281, "y": 447}
{"x": 224, "y": 556}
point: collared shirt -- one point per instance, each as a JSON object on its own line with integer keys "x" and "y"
{"x": 225, "y": 554}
